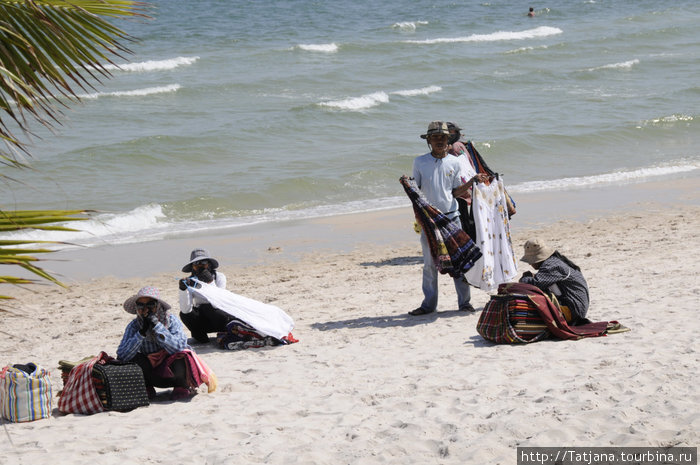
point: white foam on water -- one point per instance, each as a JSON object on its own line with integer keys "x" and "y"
{"x": 421, "y": 91}
{"x": 602, "y": 179}
{"x": 363, "y": 102}
{"x": 325, "y": 48}
{"x": 542, "y": 31}
{"x": 622, "y": 65}
{"x": 153, "y": 65}
{"x": 134, "y": 93}
{"x": 408, "y": 25}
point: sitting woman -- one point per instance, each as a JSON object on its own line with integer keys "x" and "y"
{"x": 557, "y": 275}
{"x": 197, "y": 313}
{"x": 156, "y": 341}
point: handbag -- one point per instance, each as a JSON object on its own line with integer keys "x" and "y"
{"x": 25, "y": 393}
{"x": 120, "y": 385}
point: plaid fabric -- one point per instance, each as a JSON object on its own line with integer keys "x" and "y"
{"x": 498, "y": 323}
{"x": 452, "y": 249}
{"x": 511, "y": 319}
{"x": 79, "y": 394}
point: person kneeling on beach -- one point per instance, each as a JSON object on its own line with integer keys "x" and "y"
{"x": 157, "y": 342}
{"x": 196, "y": 313}
{"x": 557, "y": 275}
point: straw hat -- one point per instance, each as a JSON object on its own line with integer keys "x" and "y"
{"x": 436, "y": 127}
{"x": 536, "y": 251}
{"x": 197, "y": 255}
{"x": 148, "y": 291}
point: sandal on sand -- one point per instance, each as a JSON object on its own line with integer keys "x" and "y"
{"x": 467, "y": 308}
{"x": 614, "y": 327}
{"x": 420, "y": 311}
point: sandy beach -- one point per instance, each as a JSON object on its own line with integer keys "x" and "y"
{"x": 369, "y": 384}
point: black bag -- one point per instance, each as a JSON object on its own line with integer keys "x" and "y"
{"x": 120, "y": 385}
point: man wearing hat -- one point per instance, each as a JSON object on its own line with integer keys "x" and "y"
{"x": 558, "y": 275}
{"x": 438, "y": 176}
{"x": 196, "y": 313}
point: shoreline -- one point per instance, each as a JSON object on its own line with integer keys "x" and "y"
{"x": 292, "y": 239}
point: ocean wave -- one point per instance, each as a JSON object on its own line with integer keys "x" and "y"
{"x": 408, "y": 25}
{"x": 666, "y": 120}
{"x": 363, "y": 102}
{"x": 325, "y": 48}
{"x": 134, "y": 93}
{"x": 542, "y": 31}
{"x": 367, "y": 101}
{"x": 621, "y": 65}
{"x": 600, "y": 179}
{"x": 101, "y": 229}
{"x": 153, "y": 65}
{"x": 524, "y": 49}
{"x": 414, "y": 92}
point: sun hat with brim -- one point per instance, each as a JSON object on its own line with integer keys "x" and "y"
{"x": 436, "y": 127}
{"x": 197, "y": 255}
{"x": 148, "y": 291}
{"x": 536, "y": 251}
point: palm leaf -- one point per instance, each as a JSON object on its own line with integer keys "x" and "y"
{"x": 52, "y": 48}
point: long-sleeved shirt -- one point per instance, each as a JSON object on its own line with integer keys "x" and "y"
{"x": 187, "y": 300}
{"x": 173, "y": 339}
{"x": 572, "y": 287}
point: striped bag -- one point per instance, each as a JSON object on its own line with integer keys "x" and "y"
{"x": 25, "y": 393}
{"x": 511, "y": 319}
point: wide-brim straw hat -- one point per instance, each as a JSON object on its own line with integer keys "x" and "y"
{"x": 148, "y": 291}
{"x": 536, "y": 251}
{"x": 197, "y": 255}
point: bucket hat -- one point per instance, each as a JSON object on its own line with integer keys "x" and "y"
{"x": 148, "y": 291}
{"x": 197, "y": 255}
{"x": 536, "y": 251}
{"x": 436, "y": 127}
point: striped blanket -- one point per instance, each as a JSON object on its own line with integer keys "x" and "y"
{"x": 452, "y": 249}
{"x": 522, "y": 313}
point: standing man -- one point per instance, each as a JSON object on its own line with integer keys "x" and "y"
{"x": 438, "y": 176}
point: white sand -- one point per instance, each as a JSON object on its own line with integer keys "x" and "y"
{"x": 368, "y": 384}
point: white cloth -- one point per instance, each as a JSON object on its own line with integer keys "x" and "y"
{"x": 437, "y": 178}
{"x": 467, "y": 170}
{"x": 497, "y": 264}
{"x": 187, "y": 300}
{"x": 267, "y": 319}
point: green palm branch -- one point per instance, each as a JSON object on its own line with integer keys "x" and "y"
{"x": 49, "y": 49}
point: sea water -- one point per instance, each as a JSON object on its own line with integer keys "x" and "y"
{"x": 229, "y": 113}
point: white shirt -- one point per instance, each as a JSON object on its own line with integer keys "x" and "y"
{"x": 187, "y": 300}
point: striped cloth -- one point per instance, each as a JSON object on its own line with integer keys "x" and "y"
{"x": 499, "y": 323}
{"x": 25, "y": 396}
{"x": 452, "y": 249}
{"x": 79, "y": 394}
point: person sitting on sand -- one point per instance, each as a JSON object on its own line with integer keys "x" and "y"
{"x": 196, "y": 313}
{"x": 557, "y": 275}
{"x": 157, "y": 342}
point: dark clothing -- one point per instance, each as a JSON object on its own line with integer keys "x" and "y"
{"x": 572, "y": 287}
{"x": 205, "y": 319}
{"x": 178, "y": 368}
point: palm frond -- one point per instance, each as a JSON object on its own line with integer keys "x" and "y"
{"x": 53, "y": 48}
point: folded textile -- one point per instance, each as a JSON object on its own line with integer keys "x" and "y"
{"x": 267, "y": 319}
{"x": 452, "y": 249}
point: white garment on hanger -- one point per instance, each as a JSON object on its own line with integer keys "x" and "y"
{"x": 497, "y": 264}
{"x": 267, "y": 319}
